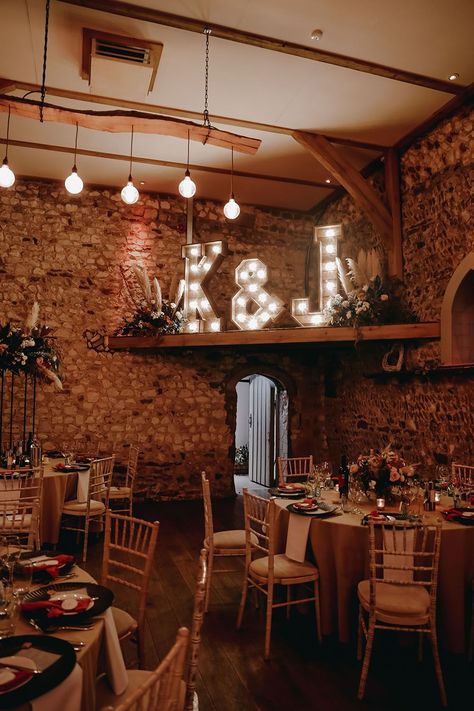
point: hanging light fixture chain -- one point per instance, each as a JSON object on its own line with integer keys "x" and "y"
{"x": 131, "y": 154}
{"x": 75, "y": 145}
{"x": 232, "y": 172}
{"x": 8, "y": 132}
{"x": 207, "y": 32}
{"x": 45, "y": 57}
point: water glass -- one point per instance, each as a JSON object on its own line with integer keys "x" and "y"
{"x": 22, "y": 577}
{"x": 9, "y": 612}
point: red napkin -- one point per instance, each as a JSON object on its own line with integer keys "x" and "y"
{"x": 20, "y": 677}
{"x": 451, "y": 514}
{"x": 53, "y": 570}
{"x": 54, "y": 607}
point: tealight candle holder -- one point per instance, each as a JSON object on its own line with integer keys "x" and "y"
{"x": 437, "y": 497}
{"x": 380, "y": 503}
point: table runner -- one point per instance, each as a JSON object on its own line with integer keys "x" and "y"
{"x": 297, "y": 537}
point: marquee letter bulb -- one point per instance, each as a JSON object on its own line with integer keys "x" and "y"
{"x": 187, "y": 187}
{"x": 129, "y": 193}
{"x": 74, "y": 183}
{"x": 7, "y": 176}
{"x": 231, "y": 209}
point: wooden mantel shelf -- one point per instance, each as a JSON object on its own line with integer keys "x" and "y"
{"x": 393, "y": 332}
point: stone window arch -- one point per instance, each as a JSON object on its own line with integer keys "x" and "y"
{"x": 457, "y": 316}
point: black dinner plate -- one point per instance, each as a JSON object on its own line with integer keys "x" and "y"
{"x": 323, "y": 510}
{"x": 38, "y": 683}
{"x": 42, "y": 575}
{"x": 104, "y": 600}
{"x": 69, "y": 468}
{"x": 465, "y": 520}
{"x": 288, "y": 495}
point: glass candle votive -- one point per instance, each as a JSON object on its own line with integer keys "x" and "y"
{"x": 380, "y": 503}
{"x": 437, "y": 497}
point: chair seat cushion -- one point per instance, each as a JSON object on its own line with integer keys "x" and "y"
{"x": 400, "y": 602}
{"x": 116, "y": 492}
{"x": 124, "y": 622}
{"x": 78, "y": 507}
{"x": 106, "y": 697}
{"x": 284, "y": 568}
{"x": 233, "y": 539}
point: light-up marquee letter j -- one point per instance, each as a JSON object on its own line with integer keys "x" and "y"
{"x": 252, "y": 306}
{"x": 201, "y": 261}
{"x": 327, "y": 238}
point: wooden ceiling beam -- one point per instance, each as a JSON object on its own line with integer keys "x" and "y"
{"x": 147, "y": 14}
{"x": 352, "y": 181}
{"x": 14, "y": 84}
{"x": 167, "y": 163}
{"x": 445, "y": 111}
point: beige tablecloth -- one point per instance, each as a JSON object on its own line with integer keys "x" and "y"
{"x": 339, "y": 546}
{"x": 92, "y": 657}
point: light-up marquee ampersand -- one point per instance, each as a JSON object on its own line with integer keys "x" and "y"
{"x": 201, "y": 261}
{"x": 327, "y": 238}
{"x": 252, "y": 306}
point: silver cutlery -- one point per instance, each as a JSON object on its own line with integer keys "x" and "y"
{"x": 19, "y": 667}
{"x": 63, "y": 628}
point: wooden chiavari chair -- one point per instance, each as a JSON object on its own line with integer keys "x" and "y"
{"x": 97, "y": 500}
{"x": 189, "y": 684}
{"x": 463, "y": 476}
{"x": 120, "y": 495}
{"x": 221, "y": 543}
{"x": 294, "y": 469}
{"x": 400, "y": 594}
{"x": 273, "y": 569}
{"x": 129, "y": 551}
{"x": 20, "y": 504}
{"x": 471, "y": 637}
{"x": 150, "y": 691}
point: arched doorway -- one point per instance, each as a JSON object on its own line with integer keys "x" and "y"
{"x": 261, "y": 430}
{"x": 457, "y": 316}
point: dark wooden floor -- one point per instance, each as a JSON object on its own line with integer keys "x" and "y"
{"x": 300, "y": 675}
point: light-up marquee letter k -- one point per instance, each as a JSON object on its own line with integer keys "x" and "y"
{"x": 201, "y": 261}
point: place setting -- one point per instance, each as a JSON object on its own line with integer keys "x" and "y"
{"x": 287, "y": 491}
{"x": 313, "y": 507}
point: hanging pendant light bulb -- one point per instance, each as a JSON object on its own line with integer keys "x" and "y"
{"x": 73, "y": 182}
{"x": 232, "y": 208}
{"x": 187, "y": 187}
{"x": 7, "y": 176}
{"x": 129, "y": 193}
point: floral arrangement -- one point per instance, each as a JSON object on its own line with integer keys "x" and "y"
{"x": 153, "y": 315}
{"x": 29, "y": 349}
{"x": 369, "y": 297}
{"x": 384, "y": 472}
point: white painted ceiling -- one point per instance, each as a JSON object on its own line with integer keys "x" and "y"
{"x": 430, "y": 37}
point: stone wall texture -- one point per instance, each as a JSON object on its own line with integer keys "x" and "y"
{"x": 180, "y": 405}
{"x": 431, "y": 417}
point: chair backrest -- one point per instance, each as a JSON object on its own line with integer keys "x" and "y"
{"x": 208, "y": 520}
{"x": 259, "y": 527}
{"x": 404, "y": 553}
{"x": 132, "y": 465}
{"x": 195, "y": 640}
{"x": 294, "y": 468}
{"x": 100, "y": 478}
{"x": 23, "y": 483}
{"x": 463, "y": 474}
{"x": 129, "y": 554}
{"x": 160, "y": 692}
{"x": 20, "y": 497}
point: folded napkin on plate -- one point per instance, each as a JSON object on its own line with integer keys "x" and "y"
{"x": 53, "y": 565}
{"x": 54, "y": 607}
{"x": 452, "y": 514}
{"x": 19, "y": 677}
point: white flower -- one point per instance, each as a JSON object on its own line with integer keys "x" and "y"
{"x": 349, "y": 315}
{"x": 27, "y": 342}
{"x": 384, "y": 297}
{"x": 366, "y": 306}
{"x": 345, "y": 304}
{"x": 173, "y": 305}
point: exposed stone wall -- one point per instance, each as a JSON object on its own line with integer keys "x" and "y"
{"x": 430, "y": 417}
{"x": 66, "y": 252}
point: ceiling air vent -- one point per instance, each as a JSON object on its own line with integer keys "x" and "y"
{"x": 119, "y": 66}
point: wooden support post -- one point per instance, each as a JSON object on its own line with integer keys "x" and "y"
{"x": 392, "y": 191}
{"x": 352, "y": 181}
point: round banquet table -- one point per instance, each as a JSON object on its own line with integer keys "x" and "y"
{"x": 89, "y": 657}
{"x": 339, "y": 546}
{"x": 58, "y": 487}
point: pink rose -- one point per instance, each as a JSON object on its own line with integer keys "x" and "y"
{"x": 394, "y": 474}
{"x": 353, "y": 469}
